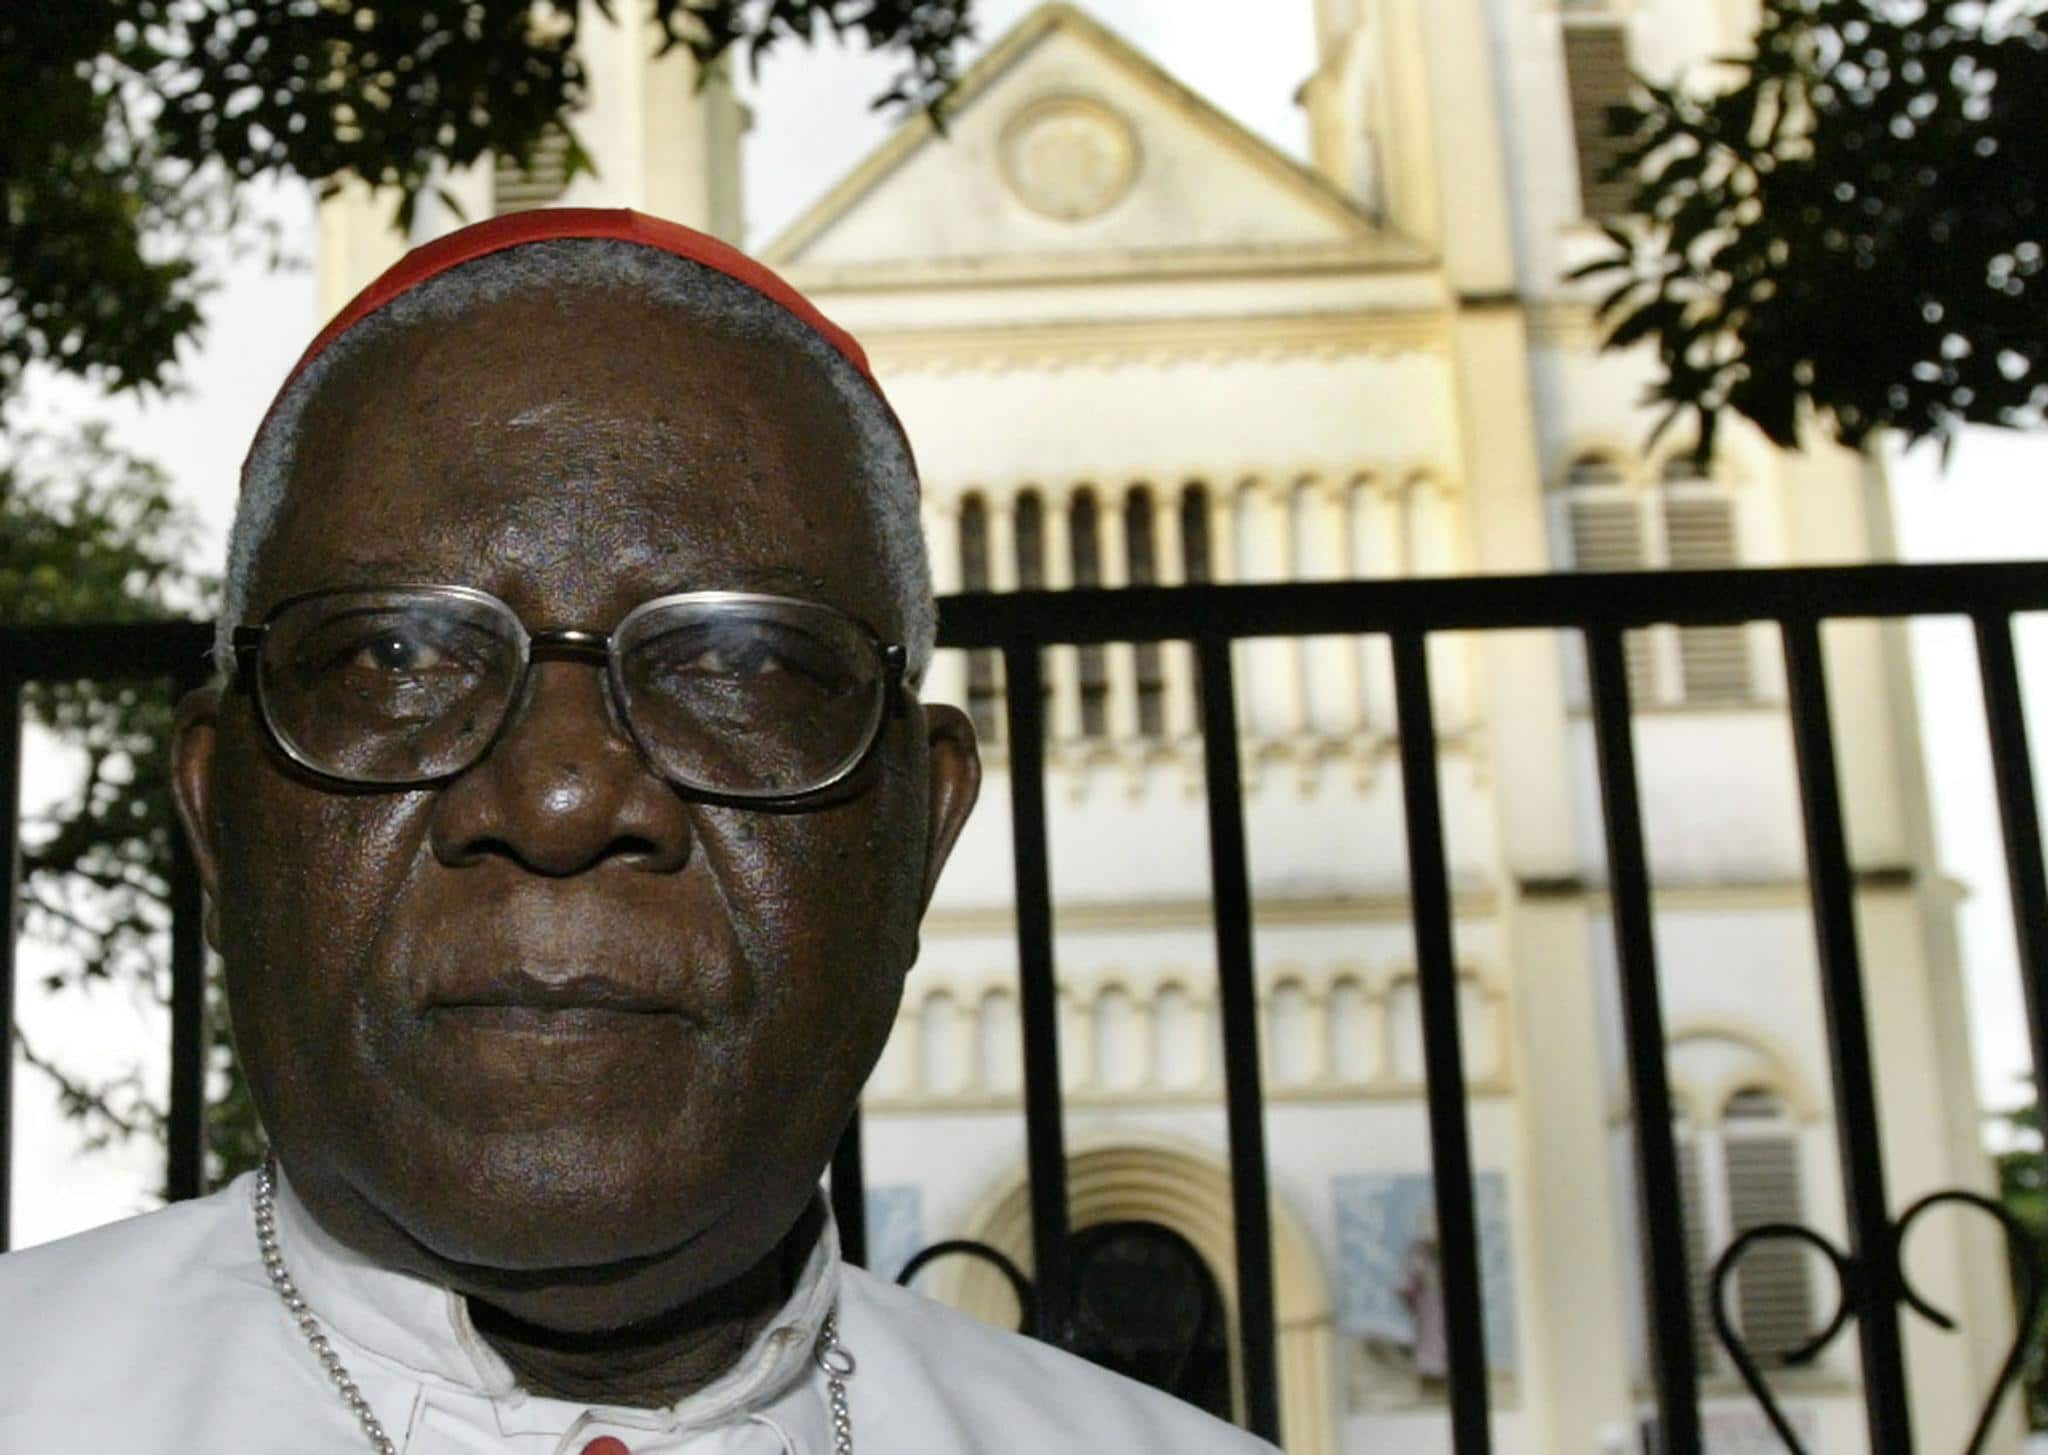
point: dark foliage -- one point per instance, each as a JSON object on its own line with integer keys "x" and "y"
{"x": 2023, "y": 1188}
{"x": 129, "y": 122}
{"x": 89, "y": 533}
{"x": 1848, "y": 225}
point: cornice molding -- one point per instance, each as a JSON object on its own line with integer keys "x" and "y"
{"x": 1197, "y": 913}
{"x": 1390, "y": 1089}
{"x": 1112, "y": 343}
{"x": 1557, "y": 324}
{"x": 1737, "y": 897}
{"x": 1264, "y": 262}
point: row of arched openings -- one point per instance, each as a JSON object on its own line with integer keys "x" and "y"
{"x": 1082, "y": 549}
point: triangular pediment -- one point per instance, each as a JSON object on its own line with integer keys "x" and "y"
{"x": 1063, "y": 145}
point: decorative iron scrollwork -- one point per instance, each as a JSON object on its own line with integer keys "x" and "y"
{"x": 1858, "y": 1285}
{"x": 1027, "y": 1294}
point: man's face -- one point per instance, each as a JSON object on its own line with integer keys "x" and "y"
{"x": 574, "y": 459}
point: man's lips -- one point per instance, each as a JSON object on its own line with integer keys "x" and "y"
{"x": 544, "y": 995}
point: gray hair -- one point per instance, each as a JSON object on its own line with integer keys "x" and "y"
{"x": 884, "y": 464}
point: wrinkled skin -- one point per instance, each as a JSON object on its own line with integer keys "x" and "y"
{"x": 575, "y": 1173}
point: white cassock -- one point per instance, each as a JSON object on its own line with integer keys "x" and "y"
{"x": 162, "y": 1335}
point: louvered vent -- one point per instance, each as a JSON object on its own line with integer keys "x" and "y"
{"x": 1776, "y": 1296}
{"x": 1607, "y": 535}
{"x": 542, "y": 181}
{"x": 1713, "y": 660}
{"x": 1596, "y": 70}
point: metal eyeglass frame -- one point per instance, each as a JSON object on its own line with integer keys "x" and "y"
{"x": 596, "y": 649}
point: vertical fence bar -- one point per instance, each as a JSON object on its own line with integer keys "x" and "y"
{"x": 10, "y": 928}
{"x": 1856, "y": 1124}
{"x": 2019, "y": 814}
{"x": 1450, "y": 1137}
{"x": 1659, "y": 1203}
{"x": 849, "y": 1194}
{"x": 185, "y": 1169}
{"x": 1237, "y": 990}
{"x": 1038, "y": 993}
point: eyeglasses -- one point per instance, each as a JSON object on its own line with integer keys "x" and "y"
{"x": 735, "y": 697}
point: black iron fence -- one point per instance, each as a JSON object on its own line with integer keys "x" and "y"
{"x": 1600, "y": 608}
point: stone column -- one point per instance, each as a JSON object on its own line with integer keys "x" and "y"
{"x": 1272, "y": 683}
{"x": 1002, "y": 576}
{"x": 1330, "y": 665}
{"x": 1120, "y": 659}
{"x": 1063, "y": 664}
{"x": 1224, "y": 569}
{"x": 1177, "y": 658}
{"x": 1223, "y": 562}
{"x": 1376, "y": 554}
{"x": 1002, "y": 541}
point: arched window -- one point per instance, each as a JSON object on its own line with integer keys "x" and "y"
{"x": 1142, "y": 569}
{"x": 1001, "y": 1050}
{"x": 1196, "y": 566}
{"x": 1605, "y": 517}
{"x": 1084, "y": 532}
{"x": 941, "y": 1067}
{"x": 973, "y": 544}
{"x": 1699, "y": 535}
{"x": 1177, "y": 1045}
{"x": 984, "y": 692}
{"x": 1760, "y": 1157}
{"x": 1030, "y": 521}
{"x": 1349, "y": 1056}
{"x": 1739, "y": 1171}
{"x": 1290, "y": 1035}
{"x": 1194, "y": 534}
{"x": 1118, "y": 1036}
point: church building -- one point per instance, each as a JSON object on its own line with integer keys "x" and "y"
{"x": 1134, "y": 344}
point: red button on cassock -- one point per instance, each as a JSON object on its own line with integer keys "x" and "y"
{"x": 606, "y": 1445}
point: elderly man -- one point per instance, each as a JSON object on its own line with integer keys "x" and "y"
{"x": 566, "y": 813}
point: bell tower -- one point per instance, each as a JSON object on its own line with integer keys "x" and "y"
{"x": 1338, "y": 98}
{"x": 661, "y": 143}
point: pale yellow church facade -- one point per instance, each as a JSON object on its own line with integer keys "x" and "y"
{"x": 1133, "y": 343}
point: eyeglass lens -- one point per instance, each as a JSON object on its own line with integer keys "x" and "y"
{"x": 751, "y": 697}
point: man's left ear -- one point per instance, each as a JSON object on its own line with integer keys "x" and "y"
{"x": 192, "y": 789}
{"x": 955, "y": 766}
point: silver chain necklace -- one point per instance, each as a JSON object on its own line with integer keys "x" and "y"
{"x": 830, "y": 1355}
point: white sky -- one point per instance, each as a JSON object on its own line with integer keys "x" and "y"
{"x": 812, "y": 125}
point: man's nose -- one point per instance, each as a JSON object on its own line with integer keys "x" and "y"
{"x": 563, "y": 789}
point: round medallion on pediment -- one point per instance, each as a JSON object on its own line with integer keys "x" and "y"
{"x": 1069, "y": 157}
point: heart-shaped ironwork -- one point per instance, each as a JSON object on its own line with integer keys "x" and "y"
{"x": 1857, "y": 1286}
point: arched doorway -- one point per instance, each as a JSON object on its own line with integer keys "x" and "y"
{"x": 1182, "y": 1187}
{"x": 1147, "y": 1306}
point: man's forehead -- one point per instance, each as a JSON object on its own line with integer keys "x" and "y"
{"x": 584, "y": 385}
{"x": 554, "y": 255}
{"x": 576, "y": 474}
